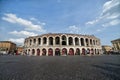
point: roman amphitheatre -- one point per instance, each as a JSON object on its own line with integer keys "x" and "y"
{"x": 56, "y": 44}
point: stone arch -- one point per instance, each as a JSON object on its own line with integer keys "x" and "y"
{"x": 77, "y": 51}
{"x": 34, "y": 41}
{"x": 96, "y": 42}
{"x": 98, "y": 51}
{"x": 33, "y": 51}
{"x": 30, "y": 41}
{"x": 57, "y": 40}
{"x": 64, "y": 39}
{"x": 50, "y": 52}
{"x": 92, "y": 51}
{"x": 44, "y": 40}
{"x": 43, "y": 51}
{"x": 70, "y": 39}
{"x": 39, "y": 41}
{"x": 28, "y": 52}
{"x": 82, "y": 42}
{"x": 95, "y": 51}
{"x": 88, "y": 51}
{"x": 87, "y": 42}
{"x": 64, "y": 51}
{"x": 38, "y": 52}
{"x": 50, "y": 40}
{"x": 76, "y": 41}
{"x": 71, "y": 51}
{"x": 57, "y": 52}
{"x": 91, "y": 42}
{"x": 83, "y": 51}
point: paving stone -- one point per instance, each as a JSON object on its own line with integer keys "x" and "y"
{"x": 106, "y": 67}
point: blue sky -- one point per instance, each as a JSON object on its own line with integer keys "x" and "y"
{"x": 22, "y": 18}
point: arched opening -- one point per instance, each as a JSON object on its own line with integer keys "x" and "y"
{"x": 44, "y": 40}
{"x": 87, "y": 43}
{"x": 90, "y": 41}
{"x": 39, "y": 41}
{"x": 30, "y": 42}
{"x": 57, "y": 40}
{"x": 95, "y": 51}
{"x": 38, "y": 52}
{"x": 28, "y": 51}
{"x": 96, "y": 42}
{"x": 70, "y": 40}
{"x": 76, "y": 41}
{"x": 93, "y": 42}
{"x": 77, "y": 51}
{"x": 71, "y": 51}
{"x": 63, "y": 40}
{"x": 64, "y": 51}
{"x": 25, "y": 52}
{"x": 34, "y": 41}
{"x": 33, "y": 51}
{"x": 57, "y": 52}
{"x": 50, "y": 52}
{"x": 50, "y": 41}
{"x": 92, "y": 52}
{"x": 43, "y": 51}
{"x": 83, "y": 51}
{"x": 82, "y": 42}
{"x": 88, "y": 51}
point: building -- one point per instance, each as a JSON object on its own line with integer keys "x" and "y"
{"x": 7, "y": 47}
{"x": 106, "y": 49}
{"x": 116, "y": 45}
{"x": 20, "y": 50}
{"x": 52, "y": 44}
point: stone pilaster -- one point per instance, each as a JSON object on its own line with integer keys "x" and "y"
{"x": 47, "y": 42}
{"x": 41, "y": 41}
{"x": 60, "y": 40}
{"x": 67, "y": 41}
{"x": 73, "y": 41}
{"x": 79, "y": 42}
{"x": 84, "y": 41}
{"x": 54, "y": 42}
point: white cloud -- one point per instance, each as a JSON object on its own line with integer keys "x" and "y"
{"x": 110, "y": 4}
{"x": 12, "y": 18}
{"x": 23, "y": 33}
{"x": 112, "y": 23}
{"x": 18, "y": 41}
{"x": 92, "y": 22}
{"x": 73, "y": 29}
{"x": 110, "y": 14}
{"x": 36, "y": 20}
{"x": 113, "y": 16}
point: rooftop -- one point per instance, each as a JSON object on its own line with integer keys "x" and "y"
{"x": 116, "y": 40}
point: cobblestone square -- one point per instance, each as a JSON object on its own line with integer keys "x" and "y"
{"x": 105, "y": 67}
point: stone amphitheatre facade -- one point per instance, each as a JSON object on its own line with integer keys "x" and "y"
{"x": 52, "y": 44}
